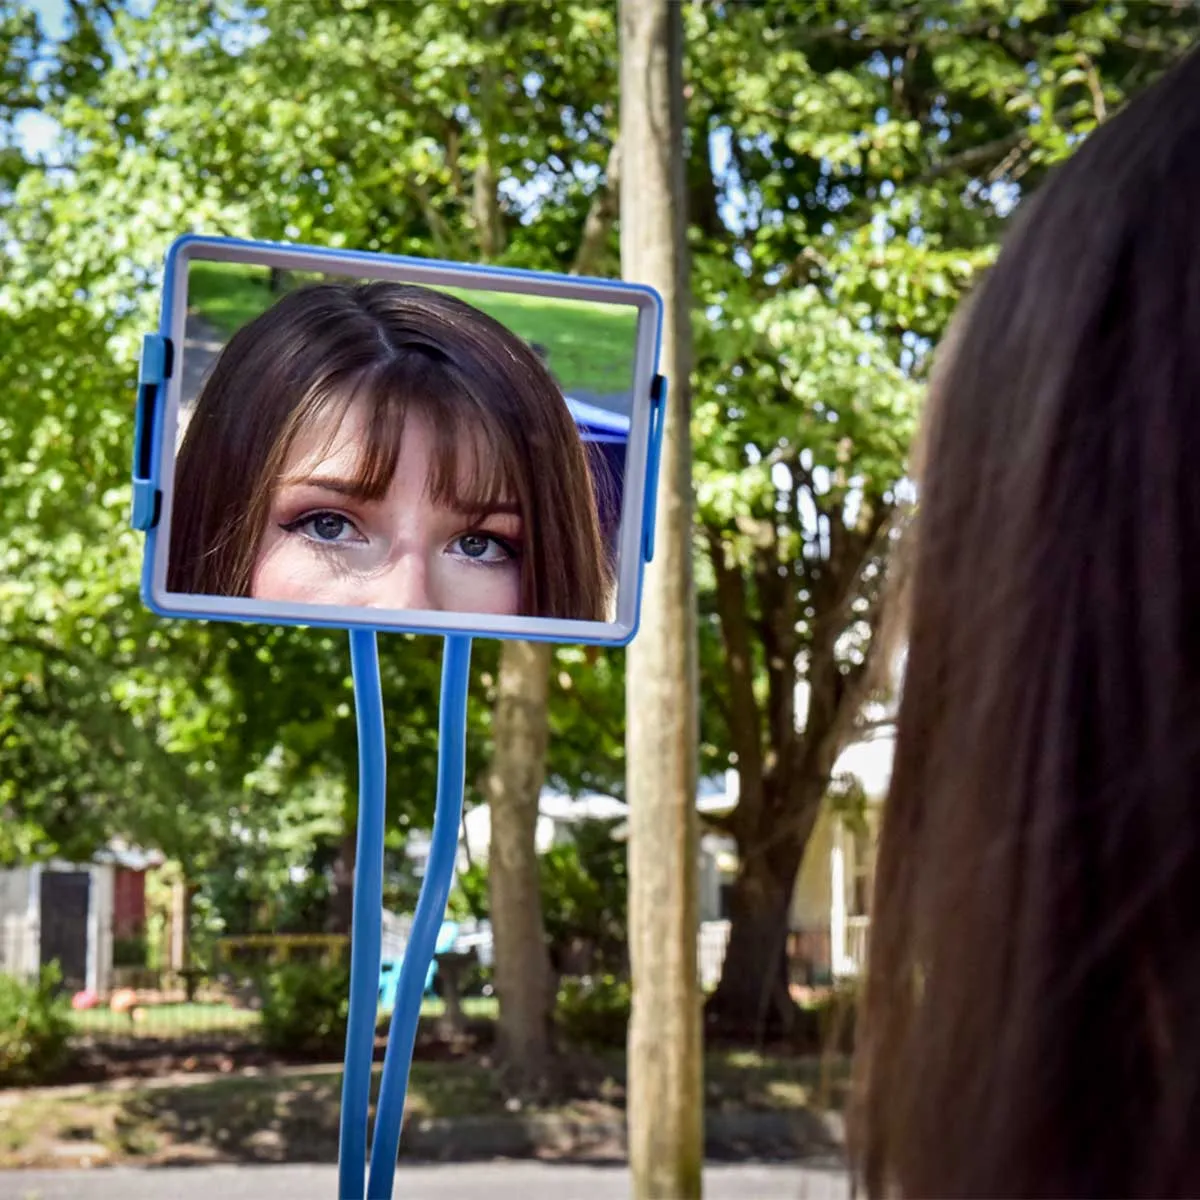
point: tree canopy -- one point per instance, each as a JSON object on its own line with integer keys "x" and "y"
{"x": 850, "y": 167}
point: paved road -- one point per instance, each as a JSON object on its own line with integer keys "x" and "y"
{"x": 495, "y": 1181}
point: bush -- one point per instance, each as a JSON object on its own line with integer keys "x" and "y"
{"x": 594, "y": 1010}
{"x": 305, "y": 1008}
{"x": 35, "y": 1027}
{"x": 584, "y": 899}
{"x": 129, "y": 952}
{"x": 585, "y": 894}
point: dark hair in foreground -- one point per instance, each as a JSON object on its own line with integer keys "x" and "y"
{"x": 1032, "y": 1014}
{"x": 396, "y": 347}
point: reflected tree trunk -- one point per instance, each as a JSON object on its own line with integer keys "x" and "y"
{"x": 665, "y": 1103}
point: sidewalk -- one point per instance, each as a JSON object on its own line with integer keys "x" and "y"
{"x": 500, "y": 1181}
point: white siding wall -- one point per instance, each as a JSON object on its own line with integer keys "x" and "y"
{"x": 100, "y": 928}
{"x": 18, "y": 921}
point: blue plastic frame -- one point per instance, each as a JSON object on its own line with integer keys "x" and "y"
{"x": 366, "y": 933}
{"x": 427, "y": 920}
{"x": 157, "y": 363}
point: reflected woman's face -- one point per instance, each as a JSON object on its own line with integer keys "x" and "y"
{"x": 325, "y": 543}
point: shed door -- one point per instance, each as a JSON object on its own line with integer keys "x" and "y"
{"x": 65, "y": 924}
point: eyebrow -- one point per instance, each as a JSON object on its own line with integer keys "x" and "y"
{"x": 354, "y": 489}
{"x": 342, "y": 487}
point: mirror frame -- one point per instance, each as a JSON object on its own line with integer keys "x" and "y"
{"x": 158, "y": 406}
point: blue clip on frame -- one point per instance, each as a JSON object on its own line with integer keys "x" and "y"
{"x": 157, "y": 365}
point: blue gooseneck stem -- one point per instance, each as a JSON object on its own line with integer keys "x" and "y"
{"x": 368, "y": 914}
{"x": 431, "y": 907}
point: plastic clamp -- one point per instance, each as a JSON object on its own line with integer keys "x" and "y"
{"x": 658, "y": 415}
{"x": 153, "y": 371}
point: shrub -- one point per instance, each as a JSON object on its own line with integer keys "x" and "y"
{"x": 35, "y": 1027}
{"x": 305, "y": 1008}
{"x": 129, "y": 952}
{"x": 584, "y": 899}
{"x": 594, "y": 1010}
{"x": 585, "y": 893}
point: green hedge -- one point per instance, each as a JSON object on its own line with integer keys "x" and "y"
{"x": 35, "y": 1027}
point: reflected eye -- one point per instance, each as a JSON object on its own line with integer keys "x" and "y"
{"x": 325, "y": 528}
{"x": 483, "y": 548}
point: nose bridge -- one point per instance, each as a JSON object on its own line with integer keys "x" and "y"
{"x": 406, "y": 583}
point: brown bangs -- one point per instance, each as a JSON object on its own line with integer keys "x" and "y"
{"x": 475, "y": 467}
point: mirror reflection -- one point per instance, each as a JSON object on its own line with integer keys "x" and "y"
{"x": 397, "y": 446}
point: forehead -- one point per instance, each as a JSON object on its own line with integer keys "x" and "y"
{"x": 336, "y": 437}
{"x": 343, "y": 440}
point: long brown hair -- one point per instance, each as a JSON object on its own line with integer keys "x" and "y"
{"x": 1032, "y": 1014}
{"x": 397, "y": 347}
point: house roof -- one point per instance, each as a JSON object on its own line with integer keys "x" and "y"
{"x": 132, "y": 858}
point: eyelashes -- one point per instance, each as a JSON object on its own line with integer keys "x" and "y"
{"x": 333, "y": 524}
{"x": 323, "y": 529}
{"x": 508, "y": 551}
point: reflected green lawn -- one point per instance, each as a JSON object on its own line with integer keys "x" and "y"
{"x": 589, "y": 347}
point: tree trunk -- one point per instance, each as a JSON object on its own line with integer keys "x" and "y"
{"x": 341, "y": 901}
{"x": 512, "y": 785}
{"x": 752, "y": 999}
{"x": 665, "y": 1106}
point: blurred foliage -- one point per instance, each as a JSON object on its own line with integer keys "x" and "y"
{"x": 35, "y": 1027}
{"x": 585, "y": 894}
{"x": 585, "y": 899}
{"x": 305, "y": 1008}
{"x": 469, "y": 896}
{"x": 593, "y": 1010}
{"x": 233, "y": 748}
{"x": 850, "y": 165}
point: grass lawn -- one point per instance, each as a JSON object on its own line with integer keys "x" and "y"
{"x": 227, "y": 295}
{"x": 292, "y": 1115}
{"x": 476, "y": 1008}
{"x": 165, "y": 1020}
{"x": 590, "y": 346}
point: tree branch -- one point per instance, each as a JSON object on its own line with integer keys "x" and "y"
{"x": 439, "y": 228}
{"x": 600, "y": 218}
{"x": 777, "y": 601}
{"x": 744, "y": 717}
{"x": 902, "y": 39}
{"x": 978, "y": 158}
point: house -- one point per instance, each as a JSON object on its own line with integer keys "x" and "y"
{"x": 72, "y": 914}
{"x": 831, "y": 903}
{"x": 835, "y": 884}
{"x": 558, "y": 813}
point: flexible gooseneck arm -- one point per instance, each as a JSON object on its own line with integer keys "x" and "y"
{"x": 431, "y": 907}
{"x": 368, "y": 914}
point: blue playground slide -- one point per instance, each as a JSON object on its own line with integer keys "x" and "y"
{"x": 389, "y": 972}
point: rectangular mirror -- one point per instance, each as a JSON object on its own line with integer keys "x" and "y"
{"x": 360, "y": 440}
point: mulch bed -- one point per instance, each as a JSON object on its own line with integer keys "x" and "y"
{"x": 100, "y": 1059}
